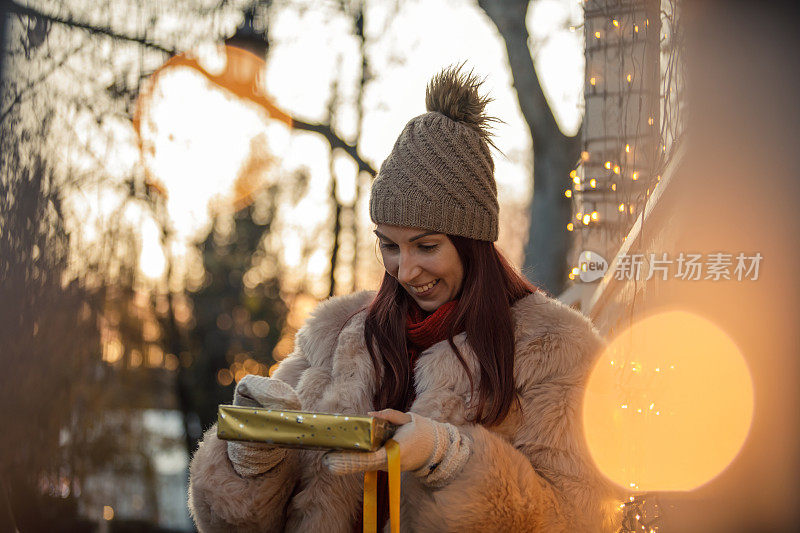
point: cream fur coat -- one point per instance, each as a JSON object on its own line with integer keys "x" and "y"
{"x": 531, "y": 473}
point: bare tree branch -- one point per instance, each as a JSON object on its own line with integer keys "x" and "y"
{"x": 14, "y": 7}
{"x": 34, "y": 83}
{"x": 336, "y": 142}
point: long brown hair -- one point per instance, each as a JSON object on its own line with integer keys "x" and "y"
{"x": 490, "y": 287}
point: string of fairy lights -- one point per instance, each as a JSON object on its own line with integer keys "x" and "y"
{"x": 640, "y": 513}
{"x": 632, "y": 125}
{"x": 633, "y": 97}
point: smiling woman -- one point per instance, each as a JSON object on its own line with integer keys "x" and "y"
{"x": 426, "y": 263}
{"x": 487, "y": 369}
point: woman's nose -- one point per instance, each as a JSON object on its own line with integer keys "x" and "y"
{"x": 408, "y": 269}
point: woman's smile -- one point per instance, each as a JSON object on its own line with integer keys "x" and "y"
{"x": 425, "y": 290}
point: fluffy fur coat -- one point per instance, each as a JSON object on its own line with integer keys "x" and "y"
{"x": 531, "y": 473}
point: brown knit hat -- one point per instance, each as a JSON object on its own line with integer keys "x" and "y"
{"x": 440, "y": 174}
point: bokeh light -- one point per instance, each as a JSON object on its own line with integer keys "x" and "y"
{"x": 201, "y": 126}
{"x": 668, "y": 405}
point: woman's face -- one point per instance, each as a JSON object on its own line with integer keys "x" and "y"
{"x": 417, "y": 258}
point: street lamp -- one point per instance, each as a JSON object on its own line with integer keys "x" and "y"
{"x": 248, "y": 38}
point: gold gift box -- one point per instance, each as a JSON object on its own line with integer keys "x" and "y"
{"x": 300, "y": 429}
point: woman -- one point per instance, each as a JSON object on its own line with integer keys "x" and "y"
{"x": 482, "y": 372}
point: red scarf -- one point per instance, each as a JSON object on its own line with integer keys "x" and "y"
{"x": 423, "y": 330}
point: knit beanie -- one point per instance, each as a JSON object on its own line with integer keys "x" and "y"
{"x": 440, "y": 174}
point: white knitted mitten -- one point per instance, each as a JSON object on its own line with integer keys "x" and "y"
{"x": 434, "y": 451}
{"x": 254, "y": 458}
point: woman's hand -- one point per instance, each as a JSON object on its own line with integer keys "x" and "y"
{"x": 391, "y": 415}
{"x": 254, "y": 458}
{"x": 415, "y": 436}
{"x": 423, "y": 444}
{"x": 270, "y": 393}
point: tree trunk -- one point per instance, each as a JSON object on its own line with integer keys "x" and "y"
{"x": 360, "y": 177}
{"x": 337, "y": 205}
{"x": 337, "y": 225}
{"x": 545, "y": 261}
{"x": 554, "y": 154}
{"x": 3, "y": 21}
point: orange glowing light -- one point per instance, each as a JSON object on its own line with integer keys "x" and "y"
{"x": 224, "y": 377}
{"x": 238, "y": 76}
{"x": 190, "y": 88}
{"x": 677, "y": 413}
{"x": 113, "y": 351}
{"x": 171, "y": 362}
{"x": 135, "y": 358}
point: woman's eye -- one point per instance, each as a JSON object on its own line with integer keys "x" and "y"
{"x": 387, "y": 246}
{"x": 427, "y": 248}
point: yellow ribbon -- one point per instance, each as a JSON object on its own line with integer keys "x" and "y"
{"x": 370, "y": 502}
{"x": 371, "y": 492}
{"x": 393, "y": 462}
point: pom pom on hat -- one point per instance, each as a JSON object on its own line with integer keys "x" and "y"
{"x": 454, "y": 93}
